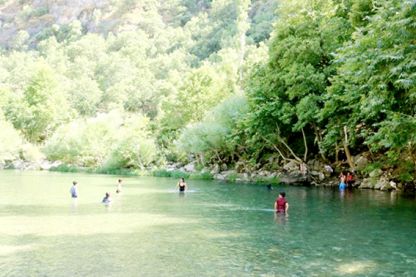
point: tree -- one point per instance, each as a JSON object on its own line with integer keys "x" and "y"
{"x": 41, "y": 107}
{"x": 374, "y": 91}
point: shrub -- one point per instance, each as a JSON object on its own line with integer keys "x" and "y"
{"x": 10, "y": 141}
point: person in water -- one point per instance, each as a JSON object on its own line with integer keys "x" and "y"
{"x": 342, "y": 184}
{"x": 74, "y": 190}
{"x": 119, "y": 186}
{"x": 106, "y": 199}
{"x": 182, "y": 185}
{"x": 281, "y": 205}
{"x": 349, "y": 179}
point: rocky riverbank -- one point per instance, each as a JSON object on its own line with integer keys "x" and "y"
{"x": 29, "y": 165}
{"x": 313, "y": 173}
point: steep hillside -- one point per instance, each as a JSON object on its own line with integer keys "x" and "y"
{"x": 29, "y": 21}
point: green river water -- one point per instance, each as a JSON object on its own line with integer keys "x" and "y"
{"x": 215, "y": 229}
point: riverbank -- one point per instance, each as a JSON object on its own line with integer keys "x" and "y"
{"x": 314, "y": 173}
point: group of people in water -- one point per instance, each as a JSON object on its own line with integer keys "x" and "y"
{"x": 346, "y": 180}
{"x": 280, "y": 205}
{"x": 107, "y": 198}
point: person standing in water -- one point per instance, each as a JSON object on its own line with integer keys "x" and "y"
{"x": 74, "y": 190}
{"x": 119, "y": 186}
{"x": 106, "y": 199}
{"x": 281, "y": 205}
{"x": 342, "y": 184}
{"x": 182, "y": 185}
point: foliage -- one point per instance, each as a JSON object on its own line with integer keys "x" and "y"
{"x": 210, "y": 138}
{"x": 108, "y": 141}
{"x": 180, "y": 79}
{"x": 10, "y": 142}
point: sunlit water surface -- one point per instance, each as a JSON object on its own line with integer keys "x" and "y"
{"x": 216, "y": 229}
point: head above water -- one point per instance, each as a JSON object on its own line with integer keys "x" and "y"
{"x": 282, "y": 194}
{"x": 119, "y": 180}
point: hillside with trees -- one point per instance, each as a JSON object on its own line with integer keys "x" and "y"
{"x": 244, "y": 85}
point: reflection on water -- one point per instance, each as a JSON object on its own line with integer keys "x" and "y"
{"x": 357, "y": 267}
{"x": 215, "y": 229}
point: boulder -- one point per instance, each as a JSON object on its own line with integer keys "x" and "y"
{"x": 264, "y": 173}
{"x": 205, "y": 170}
{"x": 243, "y": 177}
{"x": 190, "y": 167}
{"x": 291, "y": 166}
{"x": 219, "y": 177}
{"x": 382, "y": 184}
{"x": 224, "y": 167}
{"x": 273, "y": 175}
{"x": 290, "y": 178}
{"x": 230, "y": 174}
{"x": 368, "y": 183}
{"x": 360, "y": 162}
{"x": 375, "y": 173}
{"x": 315, "y": 165}
{"x": 47, "y": 165}
{"x": 393, "y": 185}
{"x": 215, "y": 169}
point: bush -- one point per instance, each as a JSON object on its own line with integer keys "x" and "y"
{"x": 108, "y": 141}
{"x": 268, "y": 180}
{"x": 161, "y": 173}
{"x": 66, "y": 168}
{"x": 201, "y": 176}
{"x": 10, "y": 142}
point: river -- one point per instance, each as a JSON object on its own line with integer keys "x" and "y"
{"x": 215, "y": 229}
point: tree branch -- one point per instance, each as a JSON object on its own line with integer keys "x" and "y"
{"x": 306, "y": 146}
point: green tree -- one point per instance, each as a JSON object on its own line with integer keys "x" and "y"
{"x": 373, "y": 94}
{"x": 40, "y": 109}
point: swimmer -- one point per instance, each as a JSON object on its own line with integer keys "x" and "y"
{"x": 119, "y": 186}
{"x": 281, "y": 205}
{"x": 182, "y": 185}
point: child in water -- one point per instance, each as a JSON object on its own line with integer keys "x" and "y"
{"x": 119, "y": 186}
{"x": 106, "y": 199}
{"x": 342, "y": 184}
{"x": 74, "y": 190}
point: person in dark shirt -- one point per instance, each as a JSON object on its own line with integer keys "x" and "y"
{"x": 281, "y": 205}
{"x": 106, "y": 199}
{"x": 182, "y": 185}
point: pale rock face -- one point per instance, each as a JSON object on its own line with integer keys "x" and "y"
{"x": 94, "y": 15}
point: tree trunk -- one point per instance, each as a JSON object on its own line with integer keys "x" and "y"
{"x": 347, "y": 150}
{"x": 305, "y": 155}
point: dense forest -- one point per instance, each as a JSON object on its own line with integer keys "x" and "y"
{"x": 249, "y": 84}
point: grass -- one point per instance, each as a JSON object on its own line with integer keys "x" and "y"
{"x": 67, "y": 168}
{"x": 116, "y": 171}
{"x": 174, "y": 173}
{"x": 160, "y": 173}
{"x": 267, "y": 180}
{"x": 201, "y": 176}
